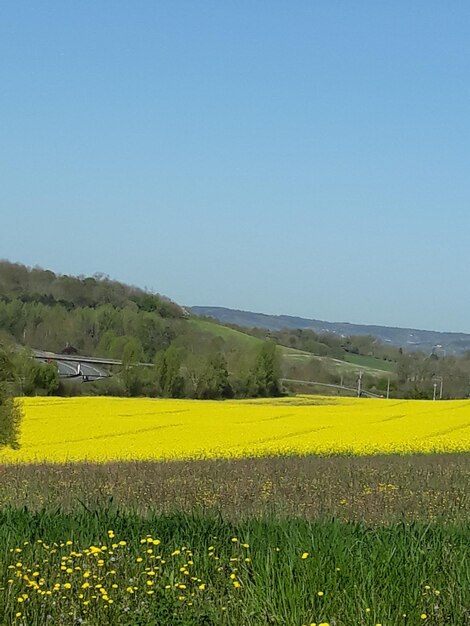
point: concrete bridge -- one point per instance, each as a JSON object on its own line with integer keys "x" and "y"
{"x": 86, "y": 368}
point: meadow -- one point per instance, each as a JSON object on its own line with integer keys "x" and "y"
{"x": 189, "y": 569}
{"x": 291, "y": 512}
{"x": 116, "y": 429}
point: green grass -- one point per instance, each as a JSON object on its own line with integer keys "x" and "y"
{"x": 224, "y": 332}
{"x": 352, "y": 574}
{"x": 372, "y": 366}
{"x": 370, "y": 362}
{"x": 383, "y": 537}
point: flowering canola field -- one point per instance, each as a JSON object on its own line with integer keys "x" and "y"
{"x": 109, "y": 429}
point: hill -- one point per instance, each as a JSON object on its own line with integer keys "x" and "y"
{"x": 406, "y": 338}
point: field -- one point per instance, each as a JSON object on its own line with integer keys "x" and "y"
{"x": 113, "y": 429}
{"x": 351, "y": 363}
{"x": 289, "y": 512}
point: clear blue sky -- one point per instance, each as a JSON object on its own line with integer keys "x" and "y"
{"x": 309, "y": 158}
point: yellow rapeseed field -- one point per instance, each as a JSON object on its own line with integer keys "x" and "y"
{"x": 108, "y": 429}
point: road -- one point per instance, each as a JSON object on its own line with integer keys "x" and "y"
{"x": 83, "y": 368}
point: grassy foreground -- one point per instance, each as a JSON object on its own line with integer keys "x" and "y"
{"x": 374, "y": 490}
{"x": 188, "y": 570}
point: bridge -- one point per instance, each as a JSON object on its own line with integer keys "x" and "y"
{"x": 86, "y": 368}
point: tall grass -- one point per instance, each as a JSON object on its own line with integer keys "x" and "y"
{"x": 375, "y": 490}
{"x": 204, "y": 570}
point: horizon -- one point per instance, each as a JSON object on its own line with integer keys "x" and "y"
{"x": 308, "y": 160}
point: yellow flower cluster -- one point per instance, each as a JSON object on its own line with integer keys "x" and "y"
{"x": 102, "y": 574}
{"x": 118, "y": 576}
{"x": 108, "y": 429}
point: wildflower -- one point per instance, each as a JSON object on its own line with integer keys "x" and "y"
{"x": 423, "y": 616}
{"x": 320, "y": 593}
{"x": 304, "y": 555}
{"x": 130, "y": 589}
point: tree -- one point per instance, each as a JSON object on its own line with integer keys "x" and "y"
{"x": 214, "y": 382}
{"x": 169, "y": 381}
{"x": 10, "y": 412}
{"x": 33, "y": 378}
{"x": 264, "y": 376}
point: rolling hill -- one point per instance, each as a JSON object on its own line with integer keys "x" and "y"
{"x": 406, "y": 338}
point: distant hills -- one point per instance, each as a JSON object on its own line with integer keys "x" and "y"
{"x": 406, "y": 338}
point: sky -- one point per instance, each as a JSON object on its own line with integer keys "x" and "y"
{"x": 308, "y": 158}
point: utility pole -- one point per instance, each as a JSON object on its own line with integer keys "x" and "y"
{"x": 440, "y": 380}
{"x": 359, "y": 384}
{"x": 388, "y": 388}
